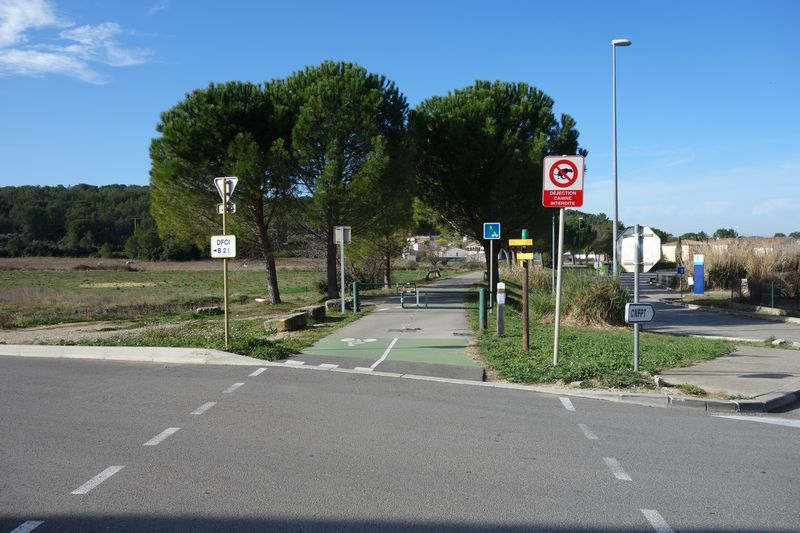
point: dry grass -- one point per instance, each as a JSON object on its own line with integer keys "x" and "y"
{"x": 89, "y": 263}
{"x": 740, "y": 258}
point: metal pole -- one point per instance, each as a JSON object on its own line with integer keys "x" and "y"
{"x": 558, "y": 284}
{"x": 525, "y": 336}
{"x": 225, "y": 261}
{"x": 501, "y": 309}
{"x": 341, "y": 267}
{"x": 491, "y": 268}
{"x": 637, "y": 232}
{"x": 553, "y": 257}
{"x": 614, "y": 267}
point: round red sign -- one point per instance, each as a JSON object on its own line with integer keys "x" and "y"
{"x": 563, "y": 173}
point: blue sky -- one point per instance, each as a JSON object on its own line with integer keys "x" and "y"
{"x": 708, "y": 109}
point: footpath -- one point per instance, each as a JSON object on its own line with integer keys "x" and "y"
{"x": 417, "y": 341}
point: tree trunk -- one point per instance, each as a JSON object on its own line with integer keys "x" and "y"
{"x": 387, "y": 272}
{"x": 333, "y": 283}
{"x": 269, "y": 256}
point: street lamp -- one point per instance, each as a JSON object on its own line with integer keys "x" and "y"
{"x": 614, "y": 44}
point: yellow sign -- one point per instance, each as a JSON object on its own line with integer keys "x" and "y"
{"x": 520, "y": 242}
{"x": 524, "y": 256}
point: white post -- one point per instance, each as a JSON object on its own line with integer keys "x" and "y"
{"x": 558, "y": 284}
{"x": 501, "y": 308}
{"x": 553, "y": 255}
{"x": 225, "y": 261}
{"x": 637, "y": 229}
{"x": 614, "y": 267}
{"x": 341, "y": 277}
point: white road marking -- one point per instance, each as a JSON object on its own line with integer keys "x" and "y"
{"x": 567, "y": 403}
{"x": 257, "y": 371}
{"x": 764, "y": 420}
{"x": 296, "y": 363}
{"x": 587, "y": 432}
{"x": 161, "y": 436}
{"x": 656, "y": 520}
{"x": 203, "y": 408}
{"x": 616, "y": 469}
{"x": 386, "y": 353}
{"x": 96, "y": 480}
{"x": 232, "y": 388}
{"x": 362, "y": 369}
{"x": 328, "y": 365}
{"x": 383, "y": 309}
{"x": 28, "y": 526}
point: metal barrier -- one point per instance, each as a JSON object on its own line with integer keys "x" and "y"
{"x": 359, "y": 285}
{"x": 422, "y": 301}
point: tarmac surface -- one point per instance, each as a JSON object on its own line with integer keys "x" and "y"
{"x": 120, "y": 446}
{"x": 404, "y": 338}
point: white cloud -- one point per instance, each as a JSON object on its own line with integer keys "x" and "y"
{"x": 158, "y": 6}
{"x": 82, "y": 46}
{"x": 767, "y": 207}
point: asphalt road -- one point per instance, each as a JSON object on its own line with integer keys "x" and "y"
{"x": 307, "y": 450}
{"x": 685, "y": 321}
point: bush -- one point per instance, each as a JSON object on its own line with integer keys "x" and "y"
{"x": 600, "y": 302}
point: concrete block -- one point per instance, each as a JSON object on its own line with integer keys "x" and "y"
{"x": 692, "y": 403}
{"x": 209, "y": 310}
{"x": 317, "y": 312}
{"x": 726, "y": 406}
{"x": 291, "y": 322}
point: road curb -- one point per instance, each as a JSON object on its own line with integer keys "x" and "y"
{"x": 734, "y": 312}
{"x": 140, "y": 354}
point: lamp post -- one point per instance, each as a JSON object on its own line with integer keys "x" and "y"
{"x": 614, "y": 44}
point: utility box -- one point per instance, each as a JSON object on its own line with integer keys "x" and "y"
{"x": 341, "y": 234}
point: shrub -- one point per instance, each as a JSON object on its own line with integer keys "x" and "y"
{"x": 599, "y": 302}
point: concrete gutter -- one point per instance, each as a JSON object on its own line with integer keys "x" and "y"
{"x": 192, "y": 356}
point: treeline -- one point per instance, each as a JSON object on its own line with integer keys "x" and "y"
{"x": 84, "y": 220}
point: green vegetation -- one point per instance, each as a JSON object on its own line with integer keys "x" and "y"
{"x": 694, "y": 390}
{"x": 598, "y": 357}
{"x": 247, "y": 337}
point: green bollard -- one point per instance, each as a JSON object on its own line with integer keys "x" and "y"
{"x": 482, "y": 308}
{"x": 355, "y": 297}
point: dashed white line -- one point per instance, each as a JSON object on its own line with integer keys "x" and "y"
{"x": 587, "y": 432}
{"x": 567, "y": 403}
{"x": 656, "y": 520}
{"x": 161, "y": 436}
{"x": 385, "y": 354}
{"x": 203, "y": 408}
{"x": 96, "y": 480}
{"x": 764, "y": 420}
{"x": 328, "y": 365}
{"x": 616, "y": 469}
{"x": 257, "y": 371}
{"x": 295, "y": 362}
{"x": 232, "y": 388}
{"x": 28, "y": 526}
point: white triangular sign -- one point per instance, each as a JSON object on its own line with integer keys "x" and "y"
{"x": 229, "y": 183}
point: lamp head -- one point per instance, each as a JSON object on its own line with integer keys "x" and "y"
{"x": 620, "y": 42}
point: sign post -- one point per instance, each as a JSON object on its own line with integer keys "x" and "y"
{"x": 491, "y": 232}
{"x": 637, "y": 234}
{"x": 501, "y": 309}
{"x": 681, "y": 270}
{"x": 342, "y": 236}
{"x": 562, "y": 186}
{"x": 523, "y": 258}
{"x": 225, "y": 187}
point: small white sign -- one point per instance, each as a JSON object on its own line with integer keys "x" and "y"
{"x": 225, "y": 186}
{"x": 223, "y": 246}
{"x": 341, "y": 234}
{"x": 699, "y": 259}
{"x": 639, "y": 313}
{"x": 231, "y": 208}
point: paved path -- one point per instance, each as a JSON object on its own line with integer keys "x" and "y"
{"x": 429, "y": 342}
{"x": 681, "y": 320}
{"x": 109, "y": 446}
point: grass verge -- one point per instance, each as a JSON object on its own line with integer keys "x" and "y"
{"x": 596, "y": 357}
{"x": 247, "y": 337}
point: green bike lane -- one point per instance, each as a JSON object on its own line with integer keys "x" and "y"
{"x": 427, "y": 342}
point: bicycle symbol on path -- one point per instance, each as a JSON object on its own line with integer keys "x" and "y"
{"x": 355, "y": 342}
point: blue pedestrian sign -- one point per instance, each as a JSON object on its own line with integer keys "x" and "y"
{"x": 491, "y": 230}
{"x": 681, "y": 270}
